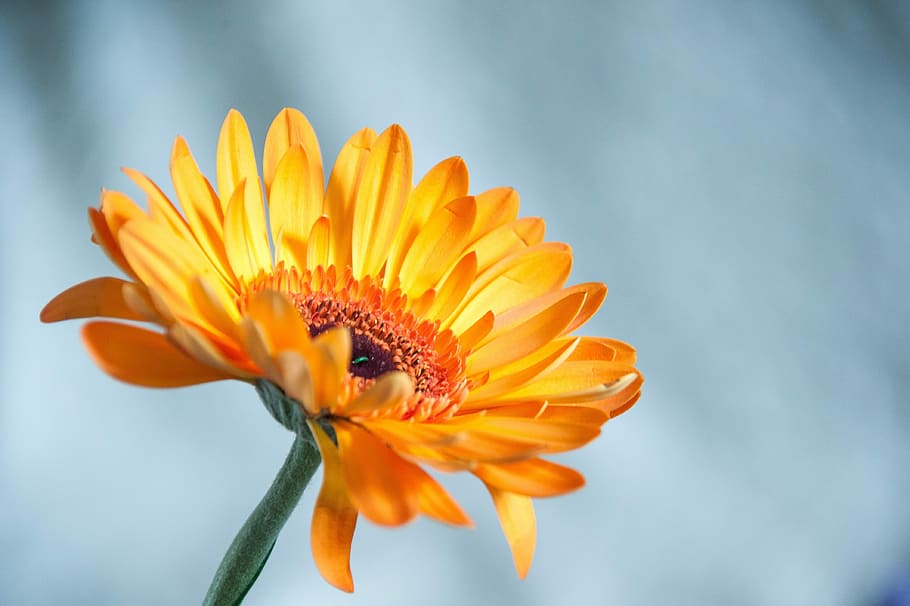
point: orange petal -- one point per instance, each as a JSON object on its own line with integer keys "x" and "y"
{"x": 516, "y": 515}
{"x": 532, "y": 477}
{"x": 98, "y": 297}
{"x": 337, "y": 344}
{"x": 474, "y": 333}
{"x": 294, "y": 202}
{"x": 256, "y": 346}
{"x": 142, "y": 357}
{"x": 550, "y": 435}
{"x": 246, "y": 240}
{"x": 380, "y": 482}
{"x": 457, "y": 443}
{"x": 199, "y": 346}
{"x": 602, "y": 348}
{"x": 435, "y": 502}
{"x": 596, "y": 293}
{"x": 139, "y": 299}
{"x": 438, "y": 244}
{"x": 296, "y": 379}
{"x": 102, "y": 236}
{"x": 290, "y": 128}
{"x": 341, "y": 193}
{"x": 380, "y": 201}
{"x": 334, "y": 518}
{"x": 118, "y": 209}
{"x": 280, "y": 320}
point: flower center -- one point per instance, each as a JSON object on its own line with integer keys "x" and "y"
{"x": 385, "y": 335}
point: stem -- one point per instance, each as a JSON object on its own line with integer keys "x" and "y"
{"x": 251, "y": 547}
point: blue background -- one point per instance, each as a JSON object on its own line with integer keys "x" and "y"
{"x": 737, "y": 173}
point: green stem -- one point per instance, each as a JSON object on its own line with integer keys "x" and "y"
{"x": 251, "y": 547}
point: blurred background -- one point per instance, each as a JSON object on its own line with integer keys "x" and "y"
{"x": 737, "y": 173}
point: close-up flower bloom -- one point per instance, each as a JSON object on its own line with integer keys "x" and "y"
{"x": 415, "y": 326}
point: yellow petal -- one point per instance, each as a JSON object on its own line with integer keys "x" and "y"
{"x": 334, "y": 518}
{"x": 438, "y": 244}
{"x": 202, "y": 207}
{"x": 213, "y": 309}
{"x": 446, "y": 181}
{"x": 98, "y": 297}
{"x": 161, "y": 209}
{"x": 504, "y": 386}
{"x": 167, "y": 264}
{"x": 142, "y": 357}
{"x": 380, "y": 201}
{"x": 516, "y": 335}
{"x": 569, "y": 377}
{"x": 235, "y": 158}
{"x": 495, "y": 207}
{"x": 290, "y": 128}
{"x": 318, "y": 244}
{"x": 389, "y": 391}
{"x": 515, "y": 280}
{"x": 341, "y": 193}
{"x": 453, "y": 288}
{"x": 245, "y": 238}
{"x": 507, "y": 240}
{"x": 294, "y": 201}
{"x": 378, "y": 480}
{"x": 532, "y": 477}
{"x": 516, "y": 515}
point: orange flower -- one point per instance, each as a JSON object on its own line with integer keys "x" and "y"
{"x": 414, "y": 325}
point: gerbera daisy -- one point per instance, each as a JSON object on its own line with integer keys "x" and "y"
{"x": 410, "y": 326}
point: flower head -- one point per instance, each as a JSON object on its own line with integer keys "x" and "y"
{"x": 415, "y": 326}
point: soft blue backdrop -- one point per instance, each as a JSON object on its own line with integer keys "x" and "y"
{"x": 737, "y": 173}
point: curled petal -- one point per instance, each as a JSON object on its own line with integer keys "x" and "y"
{"x": 519, "y": 524}
{"x": 532, "y": 477}
{"x": 98, "y": 297}
{"x": 377, "y": 478}
{"x": 334, "y": 518}
{"x": 142, "y": 357}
